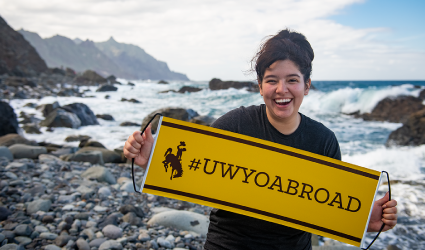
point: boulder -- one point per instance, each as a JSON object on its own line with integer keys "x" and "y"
{"x": 89, "y": 77}
{"x": 94, "y": 157}
{"x": 412, "y": 133}
{"x": 72, "y": 138}
{"x": 5, "y": 152}
{"x": 91, "y": 143}
{"x": 61, "y": 118}
{"x": 181, "y": 220}
{"x": 106, "y": 88}
{"x": 203, "y": 120}
{"x": 129, "y": 124}
{"x": 46, "y": 109}
{"x": 108, "y": 155}
{"x": 8, "y": 121}
{"x": 189, "y": 89}
{"x": 31, "y": 128}
{"x": 105, "y": 117}
{"x": 11, "y": 139}
{"x": 100, "y": 174}
{"x": 217, "y": 84}
{"x": 83, "y": 112}
{"x": 20, "y": 151}
{"x": 422, "y": 94}
{"x": 176, "y": 113}
{"x": 396, "y": 109}
{"x": 162, "y": 82}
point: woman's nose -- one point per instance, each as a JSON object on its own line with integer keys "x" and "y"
{"x": 281, "y": 87}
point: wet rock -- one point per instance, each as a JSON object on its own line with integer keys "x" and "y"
{"x": 5, "y": 152}
{"x": 48, "y": 236}
{"x": 37, "y": 190}
{"x": 4, "y": 213}
{"x": 94, "y": 157}
{"x": 100, "y": 174}
{"x": 130, "y": 208}
{"x": 12, "y": 247}
{"x": 176, "y": 113}
{"x": 110, "y": 244}
{"x": 188, "y": 89}
{"x": 112, "y": 232}
{"x": 162, "y": 82}
{"x": 83, "y": 112}
{"x": 11, "y": 139}
{"x": 183, "y": 220}
{"x": 106, "y": 88}
{"x": 61, "y": 118}
{"x": 91, "y": 143}
{"x": 39, "y": 205}
{"x": 23, "y": 230}
{"x": 8, "y": 120}
{"x": 106, "y": 117}
{"x": 46, "y": 109}
{"x": 217, "y": 84}
{"x": 23, "y": 241}
{"x": 20, "y": 151}
{"x": 90, "y": 77}
{"x": 203, "y": 120}
{"x": 129, "y": 124}
{"x": 132, "y": 219}
{"x": 412, "y": 133}
{"x": 97, "y": 242}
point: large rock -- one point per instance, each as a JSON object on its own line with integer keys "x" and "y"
{"x": 396, "y": 109}
{"x": 8, "y": 121}
{"x": 10, "y": 139}
{"x": 94, "y": 157}
{"x": 422, "y": 94}
{"x": 46, "y": 109}
{"x": 412, "y": 133}
{"x": 90, "y": 77}
{"x": 108, "y": 155}
{"x": 72, "y": 138}
{"x": 61, "y": 118}
{"x": 217, "y": 84}
{"x": 20, "y": 151}
{"x": 17, "y": 56}
{"x": 176, "y": 113}
{"x": 5, "y": 152}
{"x": 39, "y": 205}
{"x": 189, "y": 89}
{"x": 182, "y": 220}
{"x": 106, "y": 88}
{"x": 100, "y": 174}
{"x": 83, "y": 112}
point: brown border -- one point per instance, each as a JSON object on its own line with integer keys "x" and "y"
{"x": 253, "y": 210}
{"x": 271, "y": 148}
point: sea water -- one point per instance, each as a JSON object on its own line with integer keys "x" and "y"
{"x": 362, "y": 142}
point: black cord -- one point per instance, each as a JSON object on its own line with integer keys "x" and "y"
{"x": 132, "y": 160}
{"x": 383, "y": 224}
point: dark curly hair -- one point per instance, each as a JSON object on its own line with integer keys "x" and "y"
{"x": 284, "y": 45}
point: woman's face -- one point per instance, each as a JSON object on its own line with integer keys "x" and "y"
{"x": 283, "y": 89}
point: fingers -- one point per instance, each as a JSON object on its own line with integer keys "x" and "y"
{"x": 391, "y": 203}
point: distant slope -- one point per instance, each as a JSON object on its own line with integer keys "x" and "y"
{"x": 17, "y": 56}
{"x": 137, "y": 61}
{"x": 107, "y": 58}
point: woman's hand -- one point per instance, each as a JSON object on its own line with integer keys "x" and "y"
{"x": 383, "y": 211}
{"x": 139, "y": 147}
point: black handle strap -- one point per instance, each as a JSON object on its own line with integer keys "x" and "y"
{"x": 383, "y": 224}
{"x": 132, "y": 160}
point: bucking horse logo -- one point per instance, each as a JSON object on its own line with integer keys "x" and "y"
{"x": 175, "y": 160}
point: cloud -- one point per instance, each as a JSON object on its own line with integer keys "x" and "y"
{"x": 206, "y": 39}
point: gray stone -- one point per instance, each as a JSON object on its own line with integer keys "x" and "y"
{"x": 66, "y": 198}
{"x": 51, "y": 247}
{"x": 61, "y": 118}
{"x": 20, "y": 151}
{"x": 82, "y": 216}
{"x": 61, "y": 240}
{"x": 182, "y": 220}
{"x": 4, "y": 151}
{"x": 112, "y": 232}
{"x": 23, "y": 241}
{"x": 39, "y": 205}
{"x": 89, "y": 233}
{"x": 2, "y": 237}
{"x": 48, "y": 236}
{"x": 100, "y": 209}
{"x": 16, "y": 183}
{"x": 130, "y": 208}
{"x": 110, "y": 244}
{"x": 104, "y": 192}
{"x": 105, "y": 88}
{"x": 108, "y": 156}
{"x": 11, "y": 139}
{"x": 72, "y": 138}
{"x": 111, "y": 219}
{"x": 23, "y": 230}
{"x": 144, "y": 236}
{"x": 11, "y": 175}
{"x": 132, "y": 219}
{"x": 4, "y": 213}
{"x": 12, "y": 247}
{"x": 41, "y": 229}
{"x": 17, "y": 166}
{"x": 82, "y": 244}
{"x": 94, "y": 157}
{"x": 97, "y": 242}
{"x": 171, "y": 112}
{"x": 164, "y": 243}
{"x": 100, "y": 174}
{"x": 37, "y": 190}
{"x": 83, "y": 112}
{"x": 8, "y": 234}
{"x": 127, "y": 187}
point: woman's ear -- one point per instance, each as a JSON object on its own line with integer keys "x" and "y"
{"x": 260, "y": 87}
{"x": 307, "y": 87}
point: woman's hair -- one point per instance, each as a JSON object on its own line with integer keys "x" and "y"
{"x": 284, "y": 45}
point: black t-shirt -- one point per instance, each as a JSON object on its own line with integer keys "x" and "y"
{"x": 229, "y": 230}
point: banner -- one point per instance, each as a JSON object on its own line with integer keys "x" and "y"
{"x": 261, "y": 179}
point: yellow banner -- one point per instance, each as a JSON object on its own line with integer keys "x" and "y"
{"x": 261, "y": 179}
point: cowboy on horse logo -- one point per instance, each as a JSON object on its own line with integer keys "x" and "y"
{"x": 174, "y": 160}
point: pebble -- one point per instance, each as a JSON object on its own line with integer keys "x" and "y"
{"x": 39, "y": 205}
{"x": 110, "y": 244}
{"x": 82, "y": 244}
{"x": 23, "y": 241}
{"x": 48, "y": 236}
{"x": 112, "y": 232}
{"x": 97, "y": 242}
{"x": 23, "y": 230}
{"x": 51, "y": 247}
{"x": 12, "y": 247}
{"x": 100, "y": 209}
{"x": 11, "y": 175}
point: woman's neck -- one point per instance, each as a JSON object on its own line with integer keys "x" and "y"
{"x": 285, "y": 126}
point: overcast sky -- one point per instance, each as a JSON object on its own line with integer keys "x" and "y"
{"x": 352, "y": 39}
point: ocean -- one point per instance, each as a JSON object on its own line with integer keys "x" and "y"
{"x": 362, "y": 142}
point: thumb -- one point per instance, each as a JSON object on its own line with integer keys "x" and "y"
{"x": 148, "y": 133}
{"x": 384, "y": 199}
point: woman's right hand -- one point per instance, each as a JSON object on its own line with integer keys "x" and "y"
{"x": 139, "y": 147}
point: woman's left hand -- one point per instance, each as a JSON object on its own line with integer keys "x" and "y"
{"x": 383, "y": 211}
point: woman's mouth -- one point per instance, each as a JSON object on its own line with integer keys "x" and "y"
{"x": 282, "y": 102}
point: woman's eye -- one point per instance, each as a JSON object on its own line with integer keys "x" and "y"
{"x": 293, "y": 80}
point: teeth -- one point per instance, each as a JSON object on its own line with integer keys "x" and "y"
{"x": 282, "y": 100}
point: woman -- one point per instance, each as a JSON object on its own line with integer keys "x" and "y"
{"x": 283, "y": 67}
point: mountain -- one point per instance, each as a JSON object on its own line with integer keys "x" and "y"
{"x": 107, "y": 58}
{"x": 137, "y": 61}
{"x": 17, "y": 56}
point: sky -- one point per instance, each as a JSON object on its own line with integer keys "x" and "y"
{"x": 352, "y": 39}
